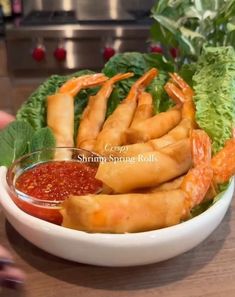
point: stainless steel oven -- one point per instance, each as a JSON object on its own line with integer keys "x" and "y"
{"x": 60, "y": 36}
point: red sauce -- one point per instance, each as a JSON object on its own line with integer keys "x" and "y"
{"x": 58, "y": 179}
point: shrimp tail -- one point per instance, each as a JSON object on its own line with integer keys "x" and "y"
{"x": 178, "y": 80}
{"x": 146, "y": 79}
{"x": 141, "y": 84}
{"x": 175, "y": 93}
{"x": 182, "y": 94}
{"x": 120, "y": 76}
{"x": 75, "y": 84}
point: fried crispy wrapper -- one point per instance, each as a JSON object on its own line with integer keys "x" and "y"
{"x": 86, "y": 135}
{"x": 167, "y": 186}
{"x": 93, "y": 116}
{"x": 124, "y": 213}
{"x": 113, "y": 130}
{"x": 154, "y": 127}
{"x": 146, "y": 170}
{"x": 60, "y": 107}
{"x": 144, "y": 108}
{"x": 60, "y": 118}
{"x": 180, "y": 132}
{"x": 112, "y": 133}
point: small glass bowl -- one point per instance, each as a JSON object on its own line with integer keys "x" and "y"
{"x": 45, "y": 209}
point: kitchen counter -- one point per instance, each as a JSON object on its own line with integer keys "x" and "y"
{"x": 206, "y": 271}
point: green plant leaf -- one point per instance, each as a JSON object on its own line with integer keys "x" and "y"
{"x": 213, "y": 84}
{"x": 43, "y": 138}
{"x": 15, "y": 141}
{"x": 187, "y": 71}
{"x": 166, "y": 22}
{"x": 230, "y": 27}
{"x": 191, "y": 24}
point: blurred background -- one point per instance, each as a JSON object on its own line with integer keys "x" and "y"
{"x": 43, "y": 37}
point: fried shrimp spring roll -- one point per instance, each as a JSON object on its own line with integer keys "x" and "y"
{"x": 144, "y": 109}
{"x": 146, "y": 170}
{"x": 154, "y": 127}
{"x": 60, "y": 107}
{"x": 117, "y": 123}
{"x": 124, "y": 213}
{"x": 167, "y": 186}
{"x": 94, "y": 114}
{"x": 60, "y": 118}
{"x": 181, "y": 131}
{"x": 138, "y": 212}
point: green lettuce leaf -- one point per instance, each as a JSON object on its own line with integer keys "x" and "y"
{"x": 187, "y": 72}
{"x": 19, "y": 138}
{"x": 42, "y": 138}
{"x": 214, "y": 86}
{"x": 15, "y": 141}
{"x": 198, "y": 209}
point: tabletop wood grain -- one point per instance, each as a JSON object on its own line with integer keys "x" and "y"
{"x": 207, "y": 270}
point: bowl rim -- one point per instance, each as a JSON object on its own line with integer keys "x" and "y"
{"x": 128, "y": 239}
{"x": 48, "y": 204}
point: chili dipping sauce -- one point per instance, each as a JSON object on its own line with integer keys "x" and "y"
{"x": 56, "y": 180}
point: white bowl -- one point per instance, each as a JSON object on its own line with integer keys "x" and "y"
{"x": 114, "y": 249}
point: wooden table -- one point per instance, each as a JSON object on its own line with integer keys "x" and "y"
{"x": 206, "y": 271}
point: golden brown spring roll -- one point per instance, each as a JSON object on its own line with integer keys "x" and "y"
{"x": 168, "y": 186}
{"x": 94, "y": 114}
{"x": 60, "y": 118}
{"x": 85, "y": 141}
{"x": 113, "y": 130}
{"x": 124, "y": 213}
{"x": 114, "y": 127}
{"x": 146, "y": 170}
{"x": 144, "y": 109}
{"x": 60, "y": 107}
{"x": 181, "y": 131}
{"x": 154, "y": 127}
